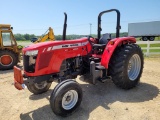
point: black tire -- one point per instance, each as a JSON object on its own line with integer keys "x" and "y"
{"x": 12, "y": 56}
{"x": 151, "y": 38}
{"x": 38, "y": 88}
{"x": 126, "y": 66}
{"x": 144, "y": 38}
{"x": 58, "y": 96}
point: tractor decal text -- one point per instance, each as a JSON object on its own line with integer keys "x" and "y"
{"x": 64, "y": 46}
{"x": 74, "y": 45}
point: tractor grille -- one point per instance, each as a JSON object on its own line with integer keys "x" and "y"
{"x": 29, "y": 66}
{"x": 44, "y": 60}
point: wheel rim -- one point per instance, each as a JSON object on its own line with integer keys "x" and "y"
{"x": 145, "y": 38}
{"x": 69, "y": 99}
{"x": 41, "y": 85}
{"x": 134, "y": 67}
{"x": 6, "y": 60}
{"x": 151, "y": 38}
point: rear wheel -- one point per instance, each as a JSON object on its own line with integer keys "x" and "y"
{"x": 66, "y": 98}
{"x": 7, "y": 59}
{"x": 38, "y": 88}
{"x": 126, "y": 66}
{"x": 151, "y": 38}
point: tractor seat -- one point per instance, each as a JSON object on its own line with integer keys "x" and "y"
{"x": 105, "y": 38}
{"x": 103, "y": 41}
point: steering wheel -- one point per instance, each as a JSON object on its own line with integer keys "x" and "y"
{"x": 90, "y": 41}
{"x": 89, "y": 37}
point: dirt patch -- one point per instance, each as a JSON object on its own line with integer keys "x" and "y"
{"x": 100, "y": 102}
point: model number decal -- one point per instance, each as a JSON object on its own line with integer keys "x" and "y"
{"x": 74, "y": 45}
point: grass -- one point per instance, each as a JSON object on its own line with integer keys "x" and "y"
{"x": 151, "y": 45}
{"x": 144, "y": 51}
{"x": 24, "y": 43}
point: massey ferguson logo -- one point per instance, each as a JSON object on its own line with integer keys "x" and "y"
{"x": 65, "y": 46}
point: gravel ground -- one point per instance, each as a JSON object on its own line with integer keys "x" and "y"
{"x": 100, "y": 102}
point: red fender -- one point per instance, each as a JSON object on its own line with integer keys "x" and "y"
{"x": 111, "y": 46}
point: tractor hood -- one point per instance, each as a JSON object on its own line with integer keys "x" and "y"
{"x": 52, "y": 45}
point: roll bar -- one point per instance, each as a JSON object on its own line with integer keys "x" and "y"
{"x": 118, "y": 27}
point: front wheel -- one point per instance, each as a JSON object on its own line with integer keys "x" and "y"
{"x": 126, "y": 66}
{"x": 144, "y": 38}
{"x": 38, "y": 88}
{"x": 66, "y": 98}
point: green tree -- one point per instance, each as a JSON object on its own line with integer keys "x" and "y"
{"x": 19, "y": 37}
{"x": 27, "y": 36}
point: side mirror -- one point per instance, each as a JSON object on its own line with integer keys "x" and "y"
{"x": 11, "y": 28}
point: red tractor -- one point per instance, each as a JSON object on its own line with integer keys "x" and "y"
{"x": 100, "y": 59}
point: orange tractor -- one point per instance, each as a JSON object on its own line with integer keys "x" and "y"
{"x": 9, "y": 50}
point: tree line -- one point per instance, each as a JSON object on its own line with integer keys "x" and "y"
{"x": 24, "y": 37}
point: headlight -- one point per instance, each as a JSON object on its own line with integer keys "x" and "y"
{"x": 32, "y": 53}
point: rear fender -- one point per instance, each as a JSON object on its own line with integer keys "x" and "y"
{"x": 111, "y": 46}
